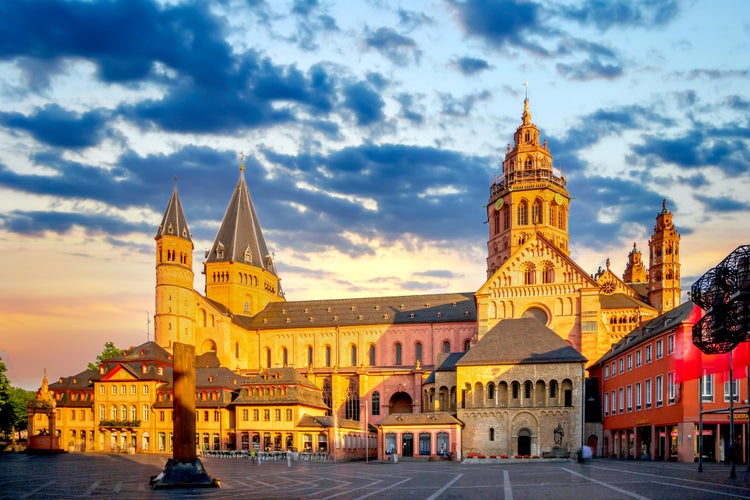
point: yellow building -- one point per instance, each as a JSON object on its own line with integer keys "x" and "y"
{"x": 378, "y": 356}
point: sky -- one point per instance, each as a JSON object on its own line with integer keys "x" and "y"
{"x": 371, "y": 131}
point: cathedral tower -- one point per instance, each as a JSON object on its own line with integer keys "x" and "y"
{"x": 530, "y": 196}
{"x": 635, "y": 271}
{"x": 239, "y": 269}
{"x": 174, "y": 320}
{"x": 664, "y": 263}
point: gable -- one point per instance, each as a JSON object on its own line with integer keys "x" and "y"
{"x": 540, "y": 253}
{"x": 119, "y": 373}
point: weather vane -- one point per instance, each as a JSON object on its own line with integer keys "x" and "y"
{"x": 242, "y": 160}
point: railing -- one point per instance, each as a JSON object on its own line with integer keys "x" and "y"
{"x": 267, "y": 456}
{"x": 119, "y": 423}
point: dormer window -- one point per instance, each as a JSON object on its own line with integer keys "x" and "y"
{"x": 144, "y": 368}
{"x": 184, "y": 233}
{"x": 220, "y": 250}
{"x": 170, "y": 229}
{"x": 102, "y": 369}
{"x": 160, "y": 370}
{"x": 248, "y": 254}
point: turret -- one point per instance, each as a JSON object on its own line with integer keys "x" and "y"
{"x": 664, "y": 263}
{"x": 173, "y": 321}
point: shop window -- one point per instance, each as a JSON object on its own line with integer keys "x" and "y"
{"x": 424, "y": 444}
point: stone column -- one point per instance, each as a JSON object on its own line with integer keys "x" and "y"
{"x": 184, "y": 402}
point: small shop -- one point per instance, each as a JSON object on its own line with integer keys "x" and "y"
{"x": 419, "y": 435}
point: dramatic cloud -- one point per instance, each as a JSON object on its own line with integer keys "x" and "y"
{"x": 55, "y": 126}
{"x": 470, "y": 65}
{"x": 364, "y": 102}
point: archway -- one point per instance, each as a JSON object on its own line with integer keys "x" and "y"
{"x": 537, "y": 313}
{"x": 400, "y": 402}
{"x": 208, "y": 345}
{"x": 524, "y": 442}
{"x": 593, "y": 442}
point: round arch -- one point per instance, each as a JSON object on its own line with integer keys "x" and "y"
{"x": 208, "y": 345}
{"x": 400, "y": 402}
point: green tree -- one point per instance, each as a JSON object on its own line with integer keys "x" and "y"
{"x": 4, "y": 400}
{"x": 15, "y": 412}
{"x": 109, "y": 352}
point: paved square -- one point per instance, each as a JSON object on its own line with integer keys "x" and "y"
{"x": 127, "y": 476}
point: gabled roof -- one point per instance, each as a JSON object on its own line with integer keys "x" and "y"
{"x": 174, "y": 222}
{"x": 420, "y": 419}
{"x": 620, "y": 301}
{"x": 328, "y": 421}
{"x": 410, "y": 309}
{"x": 240, "y": 238}
{"x": 544, "y": 245}
{"x": 522, "y": 341}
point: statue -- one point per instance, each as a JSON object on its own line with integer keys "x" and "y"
{"x": 559, "y": 433}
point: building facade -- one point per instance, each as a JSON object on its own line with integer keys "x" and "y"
{"x": 372, "y": 358}
{"x": 655, "y": 383}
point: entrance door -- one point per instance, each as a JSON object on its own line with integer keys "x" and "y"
{"x": 407, "y": 445}
{"x": 524, "y": 442}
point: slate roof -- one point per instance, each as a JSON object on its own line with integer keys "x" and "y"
{"x": 174, "y": 222}
{"x": 406, "y": 309}
{"x": 240, "y": 238}
{"x": 523, "y": 340}
{"x": 328, "y": 421}
{"x": 620, "y": 301}
{"x": 687, "y": 311}
{"x": 448, "y": 364}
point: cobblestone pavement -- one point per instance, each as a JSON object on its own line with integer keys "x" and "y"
{"x": 79, "y": 475}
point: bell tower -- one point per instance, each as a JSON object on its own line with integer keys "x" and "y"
{"x": 664, "y": 263}
{"x": 528, "y": 197}
{"x": 239, "y": 268}
{"x": 173, "y": 320}
{"x": 635, "y": 271}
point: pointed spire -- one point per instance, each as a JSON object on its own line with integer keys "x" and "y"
{"x": 240, "y": 238}
{"x": 174, "y": 222}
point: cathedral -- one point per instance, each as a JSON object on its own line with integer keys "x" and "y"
{"x": 499, "y": 371}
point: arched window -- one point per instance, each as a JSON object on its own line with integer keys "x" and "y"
{"x": 548, "y": 275}
{"x": 309, "y": 355}
{"x": 418, "y": 352}
{"x": 284, "y": 357}
{"x": 236, "y": 349}
{"x": 496, "y": 222}
{"x": 351, "y": 410}
{"x": 467, "y": 345}
{"x": 376, "y": 403}
{"x": 536, "y": 212}
{"x": 527, "y": 163}
{"x": 328, "y": 356}
{"x": 527, "y": 390}
{"x": 353, "y": 353}
{"x": 327, "y": 395}
{"x": 529, "y": 275}
{"x": 515, "y": 388}
{"x": 268, "y": 357}
{"x": 523, "y": 213}
{"x": 372, "y": 354}
{"x": 446, "y": 346}
{"x": 506, "y": 217}
{"x": 397, "y": 353}
{"x": 561, "y": 222}
{"x": 492, "y": 434}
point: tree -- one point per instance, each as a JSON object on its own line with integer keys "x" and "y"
{"x": 13, "y": 402}
{"x": 109, "y": 352}
{"x": 4, "y": 400}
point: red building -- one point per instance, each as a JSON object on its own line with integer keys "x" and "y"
{"x": 655, "y": 383}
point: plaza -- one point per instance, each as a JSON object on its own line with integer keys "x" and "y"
{"x": 75, "y": 475}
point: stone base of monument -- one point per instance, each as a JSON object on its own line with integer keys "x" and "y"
{"x": 189, "y": 474}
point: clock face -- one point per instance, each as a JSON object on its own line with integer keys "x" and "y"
{"x": 499, "y": 204}
{"x": 559, "y": 199}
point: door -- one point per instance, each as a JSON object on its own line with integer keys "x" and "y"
{"x": 407, "y": 445}
{"x": 524, "y": 442}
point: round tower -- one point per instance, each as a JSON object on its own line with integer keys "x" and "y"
{"x": 174, "y": 321}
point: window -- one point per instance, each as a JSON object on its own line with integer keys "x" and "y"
{"x": 328, "y": 356}
{"x": 614, "y": 370}
{"x": 133, "y": 389}
{"x": 629, "y": 397}
{"x": 735, "y": 386}
{"x": 648, "y": 353}
{"x": 659, "y": 381}
{"x": 647, "y": 387}
{"x": 621, "y": 399}
{"x": 659, "y": 348}
{"x": 490, "y": 392}
{"x": 529, "y": 276}
{"x": 397, "y": 354}
{"x": 144, "y": 413}
{"x": 638, "y": 396}
{"x": 266, "y": 415}
{"x": 309, "y": 355}
{"x": 621, "y": 362}
{"x": 638, "y": 358}
{"x": 284, "y": 357}
{"x": 353, "y": 355}
{"x": 102, "y": 390}
{"x": 205, "y": 415}
{"x": 256, "y": 415}
{"x": 515, "y": 389}
{"x": 670, "y": 343}
{"x": 527, "y": 390}
{"x": 613, "y": 399}
{"x": 418, "y": 352}
{"x": 162, "y": 416}
{"x": 102, "y": 412}
{"x": 268, "y": 357}
{"x": 630, "y": 362}
{"x": 145, "y": 390}
{"x": 523, "y": 213}
{"x": 671, "y": 389}
{"x": 217, "y": 416}
{"x": 467, "y": 345}
{"x": 277, "y": 414}
{"x": 553, "y": 389}
{"x": 707, "y": 387}
{"x": 133, "y": 413}
{"x": 372, "y": 354}
{"x": 123, "y": 389}
{"x": 606, "y": 404}
{"x": 245, "y": 415}
{"x": 446, "y": 346}
{"x": 288, "y": 414}
{"x": 376, "y": 403}
{"x": 492, "y": 434}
